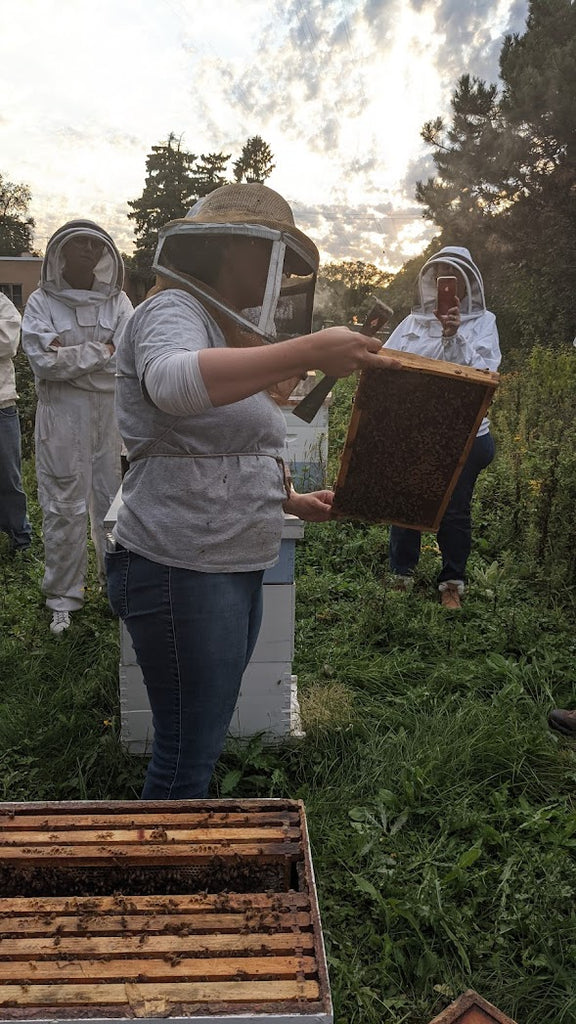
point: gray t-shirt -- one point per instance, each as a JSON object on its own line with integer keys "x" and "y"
{"x": 204, "y": 491}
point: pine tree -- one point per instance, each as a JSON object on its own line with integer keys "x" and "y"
{"x": 176, "y": 179}
{"x": 210, "y": 172}
{"x": 170, "y": 188}
{"x": 506, "y": 174}
{"x": 255, "y": 162}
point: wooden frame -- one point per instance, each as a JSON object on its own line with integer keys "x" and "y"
{"x": 409, "y": 436}
{"x": 180, "y": 910}
{"x": 471, "y": 1008}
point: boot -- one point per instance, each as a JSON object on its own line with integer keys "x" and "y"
{"x": 563, "y": 721}
{"x": 450, "y": 593}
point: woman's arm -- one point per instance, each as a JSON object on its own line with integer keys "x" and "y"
{"x": 231, "y": 374}
{"x": 9, "y": 328}
{"x": 49, "y": 359}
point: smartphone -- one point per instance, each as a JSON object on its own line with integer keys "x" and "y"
{"x": 446, "y": 295}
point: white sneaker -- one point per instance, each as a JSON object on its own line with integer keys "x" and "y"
{"x": 60, "y": 622}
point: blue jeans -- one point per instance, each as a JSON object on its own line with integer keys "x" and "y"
{"x": 13, "y": 518}
{"x": 455, "y": 531}
{"x": 193, "y": 634}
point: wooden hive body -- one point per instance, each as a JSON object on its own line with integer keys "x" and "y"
{"x": 471, "y": 1008}
{"x": 409, "y": 436}
{"x": 189, "y": 910}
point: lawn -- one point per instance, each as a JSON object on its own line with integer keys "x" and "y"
{"x": 441, "y": 808}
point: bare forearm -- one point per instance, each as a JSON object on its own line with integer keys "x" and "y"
{"x": 232, "y": 374}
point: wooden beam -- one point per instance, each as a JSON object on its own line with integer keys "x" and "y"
{"x": 152, "y": 945}
{"x": 172, "y": 994}
{"x": 27, "y": 972}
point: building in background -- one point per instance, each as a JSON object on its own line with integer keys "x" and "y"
{"x": 19, "y": 277}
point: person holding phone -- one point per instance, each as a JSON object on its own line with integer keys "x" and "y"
{"x": 449, "y": 321}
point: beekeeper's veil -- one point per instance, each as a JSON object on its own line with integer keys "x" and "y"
{"x": 450, "y": 260}
{"x": 189, "y": 251}
{"x": 108, "y": 272}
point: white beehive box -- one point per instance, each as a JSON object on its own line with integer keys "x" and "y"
{"x": 268, "y": 699}
{"x": 307, "y": 445}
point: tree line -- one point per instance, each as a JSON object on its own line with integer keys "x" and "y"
{"x": 504, "y": 186}
{"x": 175, "y": 180}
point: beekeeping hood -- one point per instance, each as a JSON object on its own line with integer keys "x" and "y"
{"x": 108, "y": 272}
{"x": 455, "y": 261}
{"x": 250, "y": 211}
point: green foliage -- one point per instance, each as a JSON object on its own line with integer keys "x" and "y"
{"x": 506, "y": 176}
{"x": 26, "y": 401}
{"x": 531, "y": 486}
{"x": 16, "y": 226}
{"x": 344, "y": 291}
{"x": 399, "y": 293}
{"x": 441, "y": 809}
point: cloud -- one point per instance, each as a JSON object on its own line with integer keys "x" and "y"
{"x": 340, "y": 91}
{"x": 376, "y": 233}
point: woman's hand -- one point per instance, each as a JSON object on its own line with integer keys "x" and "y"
{"x": 339, "y": 351}
{"x": 314, "y": 507}
{"x": 451, "y": 322}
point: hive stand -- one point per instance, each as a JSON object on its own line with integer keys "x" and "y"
{"x": 307, "y": 443}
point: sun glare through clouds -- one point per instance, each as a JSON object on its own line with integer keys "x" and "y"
{"x": 339, "y": 89}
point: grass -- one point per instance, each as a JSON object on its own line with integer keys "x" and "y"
{"x": 441, "y": 809}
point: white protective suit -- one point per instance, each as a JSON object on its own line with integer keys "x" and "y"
{"x": 9, "y": 340}
{"x": 77, "y": 441}
{"x": 476, "y": 340}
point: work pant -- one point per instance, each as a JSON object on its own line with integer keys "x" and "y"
{"x": 78, "y": 471}
{"x": 455, "y": 532}
{"x": 193, "y": 635}
{"x": 13, "y": 517}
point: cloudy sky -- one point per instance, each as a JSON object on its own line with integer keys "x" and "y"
{"x": 338, "y": 88}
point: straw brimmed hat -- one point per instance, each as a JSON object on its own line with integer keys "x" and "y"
{"x": 251, "y": 203}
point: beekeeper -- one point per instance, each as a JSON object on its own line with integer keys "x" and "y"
{"x": 465, "y": 334}
{"x": 201, "y": 517}
{"x": 69, "y": 330}
{"x": 13, "y": 514}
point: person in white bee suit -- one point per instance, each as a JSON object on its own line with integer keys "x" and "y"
{"x": 467, "y": 335}
{"x": 68, "y": 333}
{"x": 13, "y": 513}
